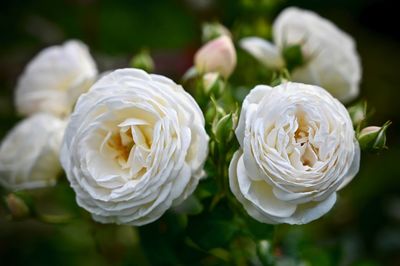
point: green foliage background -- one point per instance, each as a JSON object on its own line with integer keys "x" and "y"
{"x": 362, "y": 229}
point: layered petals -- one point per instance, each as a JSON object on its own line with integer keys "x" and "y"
{"x": 135, "y": 146}
{"x": 29, "y": 153}
{"x": 329, "y": 56}
{"x": 54, "y": 79}
{"x": 297, "y": 148}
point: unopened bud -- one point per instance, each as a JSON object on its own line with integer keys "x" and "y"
{"x": 218, "y": 55}
{"x": 373, "y": 138}
{"x": 16, "y": 206}
{"x": 143, "y": 61}
{"x": 214, "y": 30}
{"x": 224, "y": 129}
{"x": 214, "y": 112}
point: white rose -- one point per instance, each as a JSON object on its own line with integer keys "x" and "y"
{"x": 29, "y": 154}
{"x": 55, "y": 78}
{"x": 297, "y": 148}
{"x": 135, "y": 146}
{"x": 217, "y": 55}
{"x": 331, "y": 59}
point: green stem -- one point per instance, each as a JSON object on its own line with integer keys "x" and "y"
{"x": 54, "y": 219}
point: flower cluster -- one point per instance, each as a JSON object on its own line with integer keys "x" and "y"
{"x": 46, "y": 92}
{"x": 134, "y": 145}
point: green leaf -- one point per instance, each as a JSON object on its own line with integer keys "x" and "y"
{"x": 206, "y": 188}
{"x": 160, "y": 240}
{"x": 214, "y": 229}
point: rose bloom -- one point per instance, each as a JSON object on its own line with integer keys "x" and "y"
{"x": 29, "y": 153}
{"x": 55, "y": 78}
{"x": 297, "y": 148}
{"x": 329, "y": 54}
{"x": 217, "y": 55}
{"x": 134, "y": 147}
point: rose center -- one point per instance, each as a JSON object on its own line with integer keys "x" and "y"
{"x": 131, "y": 146}
{"x": 122, "y": 144}
{"x": 308, "y": 152}
{"x": 301, "y": 136}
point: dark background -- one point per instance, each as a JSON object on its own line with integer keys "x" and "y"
{"x": 364, "y": 226}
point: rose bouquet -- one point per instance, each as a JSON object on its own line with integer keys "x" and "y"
{"x": 202, "y": 170}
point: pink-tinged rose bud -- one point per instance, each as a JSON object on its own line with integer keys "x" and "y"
{"x": 218, "y": 55}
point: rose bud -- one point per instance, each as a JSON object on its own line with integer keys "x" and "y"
{"x": 218, "y": 55}
{"x": 143, "y": 61}
{"x": 214, "y": 112}
{"x": 373, "y": 138}
{"x": 224, "y": 129}
{"x": 214, "y": 30}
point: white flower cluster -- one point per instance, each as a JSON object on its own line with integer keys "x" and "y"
{"x": 46, "y": 92}
{"x": 135, "y": 143}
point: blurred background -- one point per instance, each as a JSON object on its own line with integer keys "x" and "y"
{"x": 364, "y": 226}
